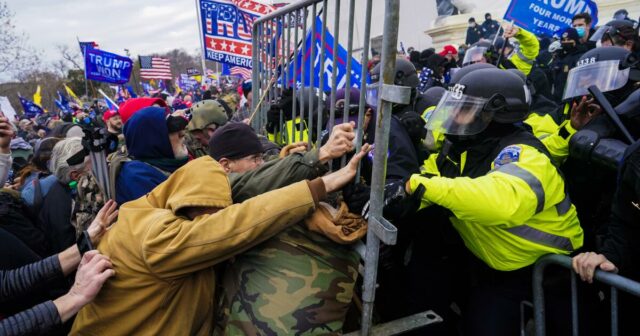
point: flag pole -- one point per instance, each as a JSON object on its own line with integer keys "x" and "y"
{"x": 107, "y": 98}
{"x": 204, "y": 65}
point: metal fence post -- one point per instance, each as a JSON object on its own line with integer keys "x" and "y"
{"x": 389, "y": 43}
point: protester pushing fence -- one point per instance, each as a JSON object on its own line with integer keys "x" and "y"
{"x": 302, "y": 176}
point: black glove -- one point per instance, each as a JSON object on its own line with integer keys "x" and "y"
{"x": 397, "y": 203}
{"x": 356, "y": 195}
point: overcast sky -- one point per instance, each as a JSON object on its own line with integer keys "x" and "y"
{"x": 142, "y": 26}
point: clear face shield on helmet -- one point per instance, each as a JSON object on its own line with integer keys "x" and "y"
{"x": 460, "y": 114}
{"x": 371, "y": 96}
{"x": 597, "y": 36}
{"x": 475, "y": 55}
{"x": 606, "y": 75}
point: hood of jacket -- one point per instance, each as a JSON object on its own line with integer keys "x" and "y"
{"x": 209, "y": 188}
{"x": 147, "y": 135}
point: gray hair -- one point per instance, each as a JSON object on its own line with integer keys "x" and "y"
{"x": 61, "y": 152}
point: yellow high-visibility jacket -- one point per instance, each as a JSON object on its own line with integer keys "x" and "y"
{"x": 511, "y": 216}
{"x": 525, "y": 57}
{"x": 554, "y": 137}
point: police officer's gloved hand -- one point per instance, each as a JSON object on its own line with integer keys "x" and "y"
{"x": 356, "y": 196}
{"x": 397, "y": 202}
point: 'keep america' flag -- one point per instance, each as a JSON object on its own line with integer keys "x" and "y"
{"x": 227, "y": 28}
{"x": 155, "y": 68}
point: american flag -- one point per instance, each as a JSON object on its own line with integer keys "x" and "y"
{"x": 155, "y": 68}
{"x": 240, "y": 71}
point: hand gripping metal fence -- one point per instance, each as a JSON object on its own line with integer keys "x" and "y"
{"x": 615, "y": 281}
{"x": 278, "y": 39}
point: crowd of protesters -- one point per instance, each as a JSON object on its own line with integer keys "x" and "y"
{"x": 206, "y": 225}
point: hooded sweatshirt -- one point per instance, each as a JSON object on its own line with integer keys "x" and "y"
{"x": 148, "y": 144}
{"x": 165, "y": 280}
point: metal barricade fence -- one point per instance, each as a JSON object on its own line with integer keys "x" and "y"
{"x": 615, "y": 281}
{"x": 275, "y": 51}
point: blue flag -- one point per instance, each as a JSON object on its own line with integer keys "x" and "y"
{"x": 548, "y": 17}
{"x": 341, "y": 63}
{"x": 106, "y": 67}
{"x": 31, "y": 109}
{"x": 111, "y": 105}
{"x": 131, "y": 92}
{"x": 62, "y": 103}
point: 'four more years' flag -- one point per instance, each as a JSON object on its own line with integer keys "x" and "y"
{"x": 106, "y": 67}
{"x": 327, "y": 63}
{"x": 227, "y": 27}
{"x": 548, "y": 17}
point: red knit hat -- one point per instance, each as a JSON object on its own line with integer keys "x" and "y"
{"x": 448, "y": 50}
{"x": 131, "y": 106}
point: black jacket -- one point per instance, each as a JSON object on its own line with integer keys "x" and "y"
{"x": 55, "y": 218}
{"x": 473, "y": 35}
{"x": 621, "y": 242}
{"x": 489, "y": 27}
{"x": 15, "y": 283}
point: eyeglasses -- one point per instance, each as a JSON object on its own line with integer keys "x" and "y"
{"x": 255, "y": 158}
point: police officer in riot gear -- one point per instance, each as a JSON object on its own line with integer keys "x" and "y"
{"x": 407, "y": 127}
{"x": 495, "y": 184}
{"x": 591, "y": 187}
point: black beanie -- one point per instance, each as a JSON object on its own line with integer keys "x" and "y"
{"x": 234, "y": 141}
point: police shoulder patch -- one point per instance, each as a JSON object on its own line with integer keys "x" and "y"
{"x": 508, "y": 155}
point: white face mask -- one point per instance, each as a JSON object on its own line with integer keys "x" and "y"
{"x": 472, "y": 24}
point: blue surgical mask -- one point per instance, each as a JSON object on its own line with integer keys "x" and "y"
{"x": 580, "y": 31}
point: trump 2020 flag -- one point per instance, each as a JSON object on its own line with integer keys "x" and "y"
{"x": 227, "y": 28}
{"x": 31, "y": 110}
{"x": 106, "y": 67}
{"x": 329, "y": 62}
{"x": 548, "y": 17}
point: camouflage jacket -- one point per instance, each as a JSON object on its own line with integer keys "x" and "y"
{"x": 298, "y": 282}
{"x": 88, "y": 200}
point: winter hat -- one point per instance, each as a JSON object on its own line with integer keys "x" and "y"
{"x": 448, "y": 50}
{"x": 571, "y": 34}
{"x": 234, "y": 141}
{"x": 131, "y": 106}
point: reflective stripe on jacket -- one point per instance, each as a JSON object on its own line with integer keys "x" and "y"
{"x": 512, "y": 215}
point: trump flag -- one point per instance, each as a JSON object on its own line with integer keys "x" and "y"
{"x": 107, "y": 67}
{"x": 227, "y": 28}
{"x": 325, "y": 67}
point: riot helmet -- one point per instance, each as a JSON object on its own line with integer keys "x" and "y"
{"x": 455, "y": 78}
{"x": 479, "y": 98}
{"x": 604, "y": 67}
{"x": 479, "y": 52}
{"x": 616, "y": 33}
{"x": 405, "y": 75}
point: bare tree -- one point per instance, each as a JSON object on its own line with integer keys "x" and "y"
{"x": 16, "y": 55}
{"x": 70, "y": 55}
